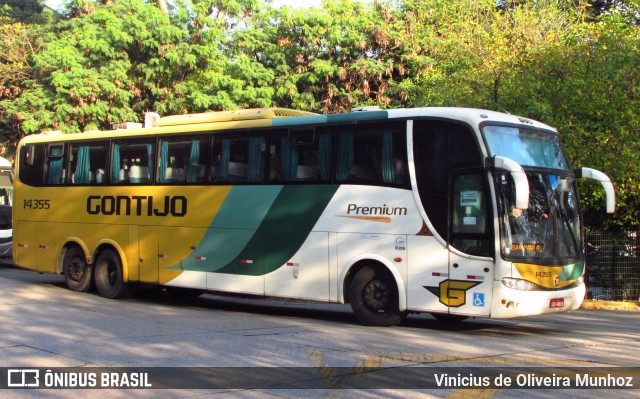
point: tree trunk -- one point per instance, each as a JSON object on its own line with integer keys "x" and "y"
{"x": 162, "y": 5}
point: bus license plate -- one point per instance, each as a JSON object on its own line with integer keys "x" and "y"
{"x": 556, "y": 303}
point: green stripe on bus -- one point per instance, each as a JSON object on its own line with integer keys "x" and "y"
{"x": 232, "y": 228}
{"x": 259, "y": 242}
{"x": 283, "y": 231}
{"x": 572, "y": 272}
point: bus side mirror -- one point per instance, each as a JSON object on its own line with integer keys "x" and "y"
{"x": 589, "y": 173}
{"x": 519, "y": 179}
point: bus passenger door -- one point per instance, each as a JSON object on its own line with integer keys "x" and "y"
{"x": 471, "y": 243}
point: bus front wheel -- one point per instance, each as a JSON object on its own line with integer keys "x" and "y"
{"x": 374, "y": 297}
{"x": 108, "y": 275}
{"x": 77, "y": 273}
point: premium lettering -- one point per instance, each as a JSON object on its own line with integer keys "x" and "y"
{"x": 383, "y": 210}
{"x": 137, "y": 205}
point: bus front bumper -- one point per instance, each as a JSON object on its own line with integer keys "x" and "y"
{"x": 509, "y": 302}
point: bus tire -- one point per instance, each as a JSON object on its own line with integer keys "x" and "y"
{"x": 108, "y": 275}
{"x": 374, "y": 297}
{"x": 78, "y": 275}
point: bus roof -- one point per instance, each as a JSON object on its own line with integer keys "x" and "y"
{"x": 471, "y": 116}
{"x": 229, "y": 116}
{"x": 283, "y": 117}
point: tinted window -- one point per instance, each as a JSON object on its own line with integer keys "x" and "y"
{"x": 372, "y": 154}
{"x": 55, "y": 164}
{"x": 439, "y": 149}
{"x": 301, "y": 156}
{"x": 132, "y": 162}
{"x": 182, "y": 160}
{"x": 88, "y": 163}
{"x": 31, "y": 164}
{"x": 238, "y": 159}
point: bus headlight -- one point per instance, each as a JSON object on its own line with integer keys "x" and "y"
{"x": 518, "y": 284}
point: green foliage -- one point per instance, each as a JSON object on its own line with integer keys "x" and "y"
{"x": 25, "y": 11}
{"x": 551, "y": 63}
{"x": 573, "y": 65}
{"x": 330, "y": 59}
{"x": 587, "y": 86}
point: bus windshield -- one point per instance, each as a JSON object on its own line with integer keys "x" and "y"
{"x": 550, "y": 228}
{"x": 525, "y": 146}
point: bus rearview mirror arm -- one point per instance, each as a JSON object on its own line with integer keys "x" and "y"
{"x": 594, "y": 174}
{"x": 518, "y": 175}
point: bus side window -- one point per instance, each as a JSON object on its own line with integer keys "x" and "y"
{"x": 55, "y": 164}
{"x": 238, "y": 159}
{"x": 32, "y": 162}
{"x": 439, "y": 148}
{"x": 88, "y": 162}
{"x": 372, "y": 154}
{"x": 301, "y": 155}
{"x": 182, "y": 160}
{"x": 132, "y": 162}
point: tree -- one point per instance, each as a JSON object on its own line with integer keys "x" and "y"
{"x": 550, "y": 63}
{"x": 24, "y": 11}
{"x": 101, "y": 68}
{"x": 477, "y": 50}
{"x": 587, "y": 86}
{"x": 329, "y": 60}
{"x": 17, "y": 48}
{"x": 223, "y": 76}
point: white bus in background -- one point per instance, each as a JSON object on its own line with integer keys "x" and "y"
{"x": 6, "y": 195}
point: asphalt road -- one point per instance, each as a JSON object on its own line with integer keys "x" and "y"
{"x": 44, "y": 326}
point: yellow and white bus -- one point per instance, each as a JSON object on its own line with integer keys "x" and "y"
{"x": 450, "y": 211}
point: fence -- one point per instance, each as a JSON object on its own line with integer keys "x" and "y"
{"x": 613, "y": 265}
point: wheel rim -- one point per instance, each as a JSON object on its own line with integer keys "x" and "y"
{"x": 112, "y": 274}
{"x": 376, "y": 296}
{"x": 76, "y": 270}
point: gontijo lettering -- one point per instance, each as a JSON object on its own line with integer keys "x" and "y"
{"x": 138, "y": 205}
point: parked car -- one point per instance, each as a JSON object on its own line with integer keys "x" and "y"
{"x": 6, "y": 202}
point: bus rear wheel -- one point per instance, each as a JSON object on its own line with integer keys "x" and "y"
{"x": 374, "y": 297}
{"x": 78, "y": 275}
{"x": 108, "y": 275}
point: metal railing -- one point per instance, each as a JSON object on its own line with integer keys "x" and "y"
{"x": 613, "y": 265}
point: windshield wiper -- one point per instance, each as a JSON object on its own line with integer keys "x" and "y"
{"x": 567, "y": 225}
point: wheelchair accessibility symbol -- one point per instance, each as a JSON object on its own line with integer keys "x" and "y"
{"x": 478, "y": 299}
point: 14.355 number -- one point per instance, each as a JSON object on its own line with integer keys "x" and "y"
{"x": 37, "y": 204}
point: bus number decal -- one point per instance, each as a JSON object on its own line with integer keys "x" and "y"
{"x": 37, "y": 204}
